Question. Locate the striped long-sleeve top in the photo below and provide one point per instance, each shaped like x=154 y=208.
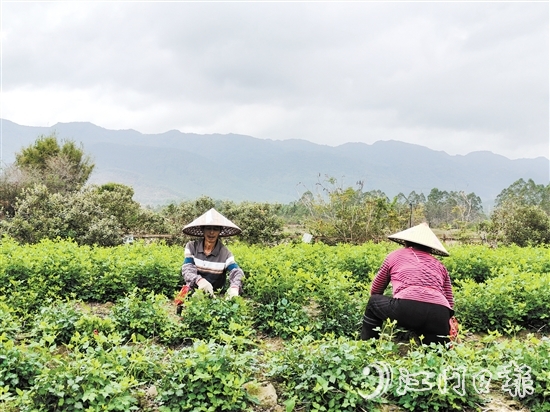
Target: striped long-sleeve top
x=414 y=275
x=213 y=267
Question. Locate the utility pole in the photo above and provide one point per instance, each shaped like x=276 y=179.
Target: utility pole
x=411 y=215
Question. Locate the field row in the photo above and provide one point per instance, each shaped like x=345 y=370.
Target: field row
x=85 y=328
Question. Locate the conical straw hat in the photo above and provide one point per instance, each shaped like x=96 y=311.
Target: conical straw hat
x=212 y=218
x=422 y=235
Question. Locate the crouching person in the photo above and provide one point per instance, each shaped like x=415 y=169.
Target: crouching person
x=208 y=264
x=422 y=299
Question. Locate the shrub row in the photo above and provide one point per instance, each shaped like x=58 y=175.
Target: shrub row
x=32 y=274
x=479 y=263
x=294 y=289
x=98 y=370
x=331 y=375
x=509 y=302
x=201 y=377
x=361 y=261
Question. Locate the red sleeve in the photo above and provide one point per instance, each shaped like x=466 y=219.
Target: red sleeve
x=382 y=279
x=448 y=289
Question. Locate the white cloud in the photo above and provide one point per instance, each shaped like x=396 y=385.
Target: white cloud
x=452 y=76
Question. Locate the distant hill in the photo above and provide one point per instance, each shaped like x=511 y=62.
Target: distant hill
x=175 y=166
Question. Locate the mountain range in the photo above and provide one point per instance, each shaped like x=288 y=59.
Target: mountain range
x=175 y=166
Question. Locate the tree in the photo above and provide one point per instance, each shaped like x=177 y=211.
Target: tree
x=519 y=224
x=293 y=212
x=466 y=208
x=61 y=168
x=12 y=182
x=94 y=215
x=525 y=193
x=412 y=206
x=38 y=215
x=115 y=200
x=259 y=222
x=349 y=215
x=455 y=209
x=436 y=207
x=522 y=214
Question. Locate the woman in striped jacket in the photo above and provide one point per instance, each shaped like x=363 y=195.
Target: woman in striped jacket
x=422 y=298
x=208 y=262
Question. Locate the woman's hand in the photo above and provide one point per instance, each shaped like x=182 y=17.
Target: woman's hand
x=232 y=292
x=205 y=285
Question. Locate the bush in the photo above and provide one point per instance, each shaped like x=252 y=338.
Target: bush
x=522 y=225
x=143 y=316
x=480 y=262
x=508 y=302
x=325 y=375
x=55 y=323
x=206 y=377
x=20 y=365
x=218 y=319
x=10 y=326
x=312 y=296
x=341 y=302
x=32 y=274
x=82 y=383
x=259 y=221
x=344 y=375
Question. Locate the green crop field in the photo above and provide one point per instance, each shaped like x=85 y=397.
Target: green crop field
x=95 y=329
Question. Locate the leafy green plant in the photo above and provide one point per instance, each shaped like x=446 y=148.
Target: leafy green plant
x=504 y=302
x=325 y=375
x=142 y=315
x=434 y=378
x=361 y=261
x=471 y=262
x=20 y=365
x=341 y=302
x=218 y=319
x=295 y=325
x=90 y=324
x=537 y=356
x=9 y=324
x=206 y=377
x=117 y=271
x=283 y=318
x=56 y=323
x=95 y=331
x=82 y=383
x=31 y=274
x=527 y=360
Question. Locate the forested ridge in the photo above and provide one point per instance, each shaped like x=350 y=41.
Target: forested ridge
x=162 y=168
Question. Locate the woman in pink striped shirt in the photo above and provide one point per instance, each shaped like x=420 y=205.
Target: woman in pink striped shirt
x=422 y=298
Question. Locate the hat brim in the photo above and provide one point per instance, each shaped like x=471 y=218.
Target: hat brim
x=422 y=235
x=212 y=218
x=198 y=231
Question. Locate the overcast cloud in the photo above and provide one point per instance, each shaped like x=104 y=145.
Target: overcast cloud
x=457 y=77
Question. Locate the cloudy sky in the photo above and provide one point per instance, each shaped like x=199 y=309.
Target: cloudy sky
x=457 y=77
